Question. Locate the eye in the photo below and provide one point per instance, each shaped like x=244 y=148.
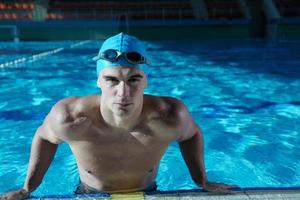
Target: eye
x=133 y=80
x=113 y=80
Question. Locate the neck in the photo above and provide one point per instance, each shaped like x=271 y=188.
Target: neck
x=126 y=122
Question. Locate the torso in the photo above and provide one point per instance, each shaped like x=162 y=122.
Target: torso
x=120 y=161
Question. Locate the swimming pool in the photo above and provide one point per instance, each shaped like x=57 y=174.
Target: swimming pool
x=244 y=94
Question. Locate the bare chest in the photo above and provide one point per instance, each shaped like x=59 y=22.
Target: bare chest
x=141 y=145
x=104 y=155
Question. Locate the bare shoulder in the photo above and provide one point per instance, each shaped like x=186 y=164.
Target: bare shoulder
x=68 y=115
x=61 y=112
x=169 y=110
x=171 y=115
x=70 y=109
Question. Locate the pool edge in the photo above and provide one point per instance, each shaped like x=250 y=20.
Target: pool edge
x=282 y=193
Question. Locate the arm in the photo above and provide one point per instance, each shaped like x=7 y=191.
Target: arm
x=192 y=149
x=43 y=149
x=41 y=156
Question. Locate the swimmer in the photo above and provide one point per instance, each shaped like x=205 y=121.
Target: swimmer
x=118 y=137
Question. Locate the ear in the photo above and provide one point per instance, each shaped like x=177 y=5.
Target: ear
x=99 y=81
x=146 y=81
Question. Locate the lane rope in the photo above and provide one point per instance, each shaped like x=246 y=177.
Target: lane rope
x=39 y=56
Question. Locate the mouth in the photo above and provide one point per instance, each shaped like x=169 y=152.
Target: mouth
x=123 y=104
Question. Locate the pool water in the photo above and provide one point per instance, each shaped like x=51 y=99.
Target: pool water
x=245 y=95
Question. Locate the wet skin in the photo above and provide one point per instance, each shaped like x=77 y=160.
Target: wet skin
x=118 y=137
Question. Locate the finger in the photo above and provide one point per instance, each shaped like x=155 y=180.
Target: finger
x=224 y=185
x=224 y=191
x=219 y=191
x=230 y=186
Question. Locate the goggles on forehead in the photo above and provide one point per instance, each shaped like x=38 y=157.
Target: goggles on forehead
x=113 y=55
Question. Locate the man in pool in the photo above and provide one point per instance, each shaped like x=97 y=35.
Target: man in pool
x=118 y=137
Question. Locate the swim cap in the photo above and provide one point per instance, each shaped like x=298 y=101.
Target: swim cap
x=123 y=43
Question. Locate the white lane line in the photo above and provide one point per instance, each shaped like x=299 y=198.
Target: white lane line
x=40 y=55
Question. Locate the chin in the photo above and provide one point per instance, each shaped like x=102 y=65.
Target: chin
x=122 y=112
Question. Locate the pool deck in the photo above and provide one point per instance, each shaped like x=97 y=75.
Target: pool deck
x=244 y=194
x=241 y=195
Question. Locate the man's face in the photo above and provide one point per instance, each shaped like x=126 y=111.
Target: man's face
x=122 y=89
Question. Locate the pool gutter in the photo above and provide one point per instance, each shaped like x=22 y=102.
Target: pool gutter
x=243 y=194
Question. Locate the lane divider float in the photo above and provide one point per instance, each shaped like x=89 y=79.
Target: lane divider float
x=38 y=56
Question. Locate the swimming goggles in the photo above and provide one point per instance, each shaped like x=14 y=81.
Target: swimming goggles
x=113 y=55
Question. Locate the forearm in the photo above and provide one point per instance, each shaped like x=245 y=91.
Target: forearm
x=41 y=155
x=192 y=151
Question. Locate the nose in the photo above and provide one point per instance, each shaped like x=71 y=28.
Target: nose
x=123 y=89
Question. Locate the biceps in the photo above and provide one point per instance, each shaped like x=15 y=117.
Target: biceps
x=189 y=131
x=46 y=133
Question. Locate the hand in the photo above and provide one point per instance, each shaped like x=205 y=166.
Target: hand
x=15 y=195
x=219 y=188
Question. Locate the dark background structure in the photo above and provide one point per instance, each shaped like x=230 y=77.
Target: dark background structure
x=149 y=19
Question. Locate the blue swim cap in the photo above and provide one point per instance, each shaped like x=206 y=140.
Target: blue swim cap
x=123 y=43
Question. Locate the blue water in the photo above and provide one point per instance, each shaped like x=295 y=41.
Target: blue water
x=245 y=95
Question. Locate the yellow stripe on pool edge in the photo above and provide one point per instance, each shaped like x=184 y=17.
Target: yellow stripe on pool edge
x=129 y=196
